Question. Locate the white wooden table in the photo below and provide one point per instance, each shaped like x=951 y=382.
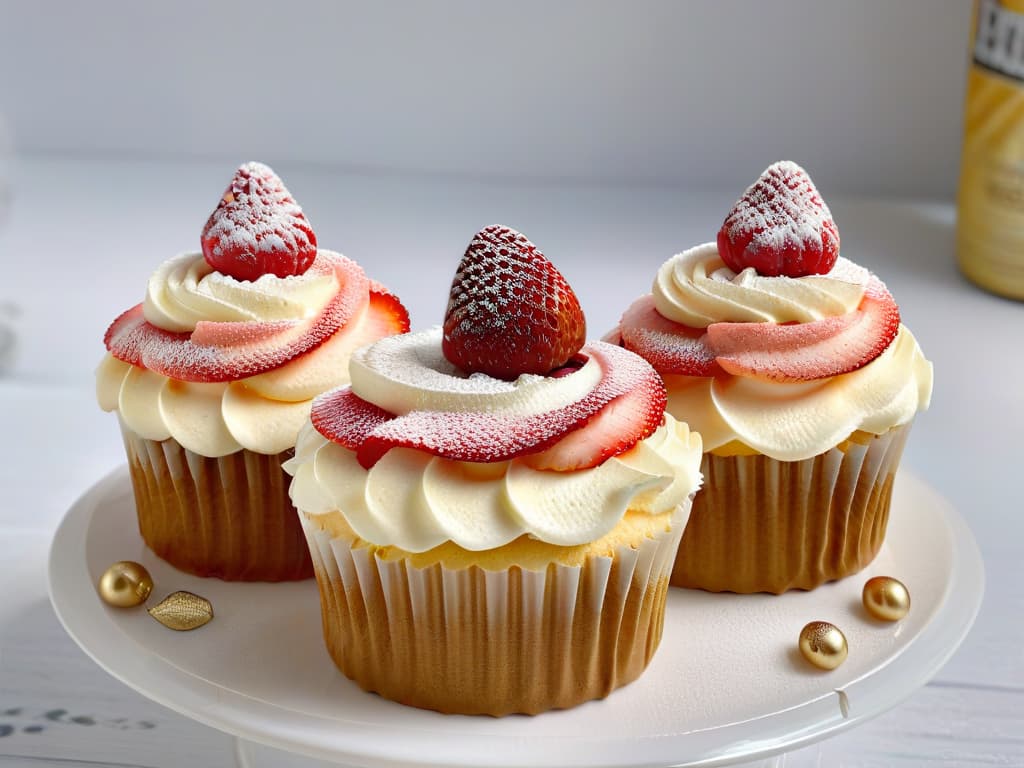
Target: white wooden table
x=83 y=237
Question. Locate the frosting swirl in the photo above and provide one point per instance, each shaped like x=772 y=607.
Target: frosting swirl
x=795 y=421
x=786 y=420
x=416 y=501
x=695 y=288
x=411 y=373
x=418 y=495
x=186 y=290
x=260 y=412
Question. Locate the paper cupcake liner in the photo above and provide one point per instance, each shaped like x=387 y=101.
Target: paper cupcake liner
x=473 y=641
x=228 y=517
x=763 y=525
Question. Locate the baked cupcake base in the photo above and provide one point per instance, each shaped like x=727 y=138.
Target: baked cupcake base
x=228 y=517
x=470 y=639
x=763 y=525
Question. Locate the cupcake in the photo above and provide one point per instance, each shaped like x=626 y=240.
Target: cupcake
x=792 y=364
x=494 y=508
x=213 y=375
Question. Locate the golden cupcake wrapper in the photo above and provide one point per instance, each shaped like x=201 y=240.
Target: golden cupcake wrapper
x=474 y=641
x=763 y=525
x=228 y=517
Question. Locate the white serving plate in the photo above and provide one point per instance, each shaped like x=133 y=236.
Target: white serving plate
x=727 y=685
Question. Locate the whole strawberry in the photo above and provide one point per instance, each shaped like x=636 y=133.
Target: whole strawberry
x=780 y=226
x=258 y=229
x=510 y=311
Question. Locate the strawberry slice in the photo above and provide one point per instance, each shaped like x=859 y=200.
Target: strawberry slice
x=669 y=346
x=306 y=376
x=510 y=311
x=130 y=335
x=809 y=351
x=727 y=339
x=780 y=226
x=496 y=436
x=218 y=351
x=616 y=428
x=258 y=229
x=345 y=418
x=388 y=306
x=213 y=334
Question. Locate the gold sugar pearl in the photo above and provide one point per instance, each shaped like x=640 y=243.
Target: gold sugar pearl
x=125 y=584
x=886 y=598
x=823 y=644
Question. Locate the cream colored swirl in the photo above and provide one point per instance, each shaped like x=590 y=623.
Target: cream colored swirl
x=795 y=421
x=786 y=421
x=261 y=413
x=695 y=288
x=416 y=501
x=410 y=373
x=186 y=290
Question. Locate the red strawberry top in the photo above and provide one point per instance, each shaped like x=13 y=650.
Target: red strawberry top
x=785 y=329
x=258 y=229
x=510 y=311
x=780 y=226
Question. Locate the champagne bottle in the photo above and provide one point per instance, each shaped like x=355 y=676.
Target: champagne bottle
x=990 y=205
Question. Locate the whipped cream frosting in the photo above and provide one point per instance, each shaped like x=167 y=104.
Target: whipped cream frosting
x=695 y=288
x=186 y=290
x=795 y=421
x=410 y=373
x=415 y=500
x=786 y=421
x=261 y=413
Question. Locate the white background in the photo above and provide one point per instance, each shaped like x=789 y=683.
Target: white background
x=866 y=95
x=613 y=135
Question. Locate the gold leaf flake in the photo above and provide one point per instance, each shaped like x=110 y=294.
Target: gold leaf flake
x=182 y=611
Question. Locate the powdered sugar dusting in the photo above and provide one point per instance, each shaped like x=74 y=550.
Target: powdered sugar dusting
x=776 y=220
x=500 y=267
x=742 y=338
x=258 y=228
x=620 y=425
x=510 y=311
x=417 y=360
x=780 y=225
x=848 y=272
x=345 y=418
x=409 y=373
x=215 y=334
x=809 y=351
x=487 y=436
x=670 y=347
x=255 y=227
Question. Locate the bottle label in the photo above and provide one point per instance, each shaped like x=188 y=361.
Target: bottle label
x=999 y=39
